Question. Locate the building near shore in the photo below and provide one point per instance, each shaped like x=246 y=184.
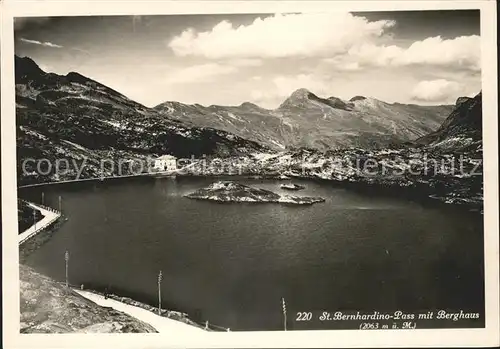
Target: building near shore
x=165 y=163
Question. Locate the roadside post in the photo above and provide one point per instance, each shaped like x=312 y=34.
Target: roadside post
x=160 y=277
x=66 y=259
x=284 y=312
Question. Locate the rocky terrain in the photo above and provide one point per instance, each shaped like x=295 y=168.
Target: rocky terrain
x=433 y=151
x=227 y=191
x=77 y=118
x=292 y=186
x=462 y=129
x=445 y=166
x=306 y=120
x=48 y=307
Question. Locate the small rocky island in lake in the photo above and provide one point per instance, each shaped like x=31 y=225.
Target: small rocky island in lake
x=227 y=191
x=292 y=186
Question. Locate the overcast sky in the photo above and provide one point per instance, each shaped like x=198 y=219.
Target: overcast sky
x=418 y=57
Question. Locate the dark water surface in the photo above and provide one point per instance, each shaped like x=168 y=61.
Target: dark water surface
x=232 y=263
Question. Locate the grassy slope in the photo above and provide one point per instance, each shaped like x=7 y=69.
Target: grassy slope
x=48 y=307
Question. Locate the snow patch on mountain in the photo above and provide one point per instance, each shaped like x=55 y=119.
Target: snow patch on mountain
x=115 y=124
x=234 y=117
x=77 y=146
x=33 y=133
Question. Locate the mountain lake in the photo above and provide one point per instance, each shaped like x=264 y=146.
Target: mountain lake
x=231 y=263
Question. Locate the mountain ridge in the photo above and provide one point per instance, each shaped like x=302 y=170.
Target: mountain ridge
x=78 y=118
x=307 y=120
x=462 y=129
x=331 y=98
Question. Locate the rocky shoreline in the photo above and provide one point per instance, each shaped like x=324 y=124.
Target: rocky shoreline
x=446 y=191
x=48 y=307
x=228 y=191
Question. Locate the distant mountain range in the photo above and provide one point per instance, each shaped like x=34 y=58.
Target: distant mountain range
x=306 y=120
x=77 y=118
x=72 y=107
x=445 y=165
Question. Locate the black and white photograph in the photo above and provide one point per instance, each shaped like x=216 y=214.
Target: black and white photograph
x=188 y=174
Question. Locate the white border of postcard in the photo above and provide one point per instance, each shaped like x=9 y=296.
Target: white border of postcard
x=488 y=336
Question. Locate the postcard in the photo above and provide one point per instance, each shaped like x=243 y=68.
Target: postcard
x=249 y=174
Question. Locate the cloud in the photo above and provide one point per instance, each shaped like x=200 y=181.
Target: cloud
x=36 y=42
x=440 y=90
x=210 y=71
x=245 y=62
x=199 y=73
x=342 y=63
x=369 y=54
x=345 y=41
x=461 y=53
x=306 y=35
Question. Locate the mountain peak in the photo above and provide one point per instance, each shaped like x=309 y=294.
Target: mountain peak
x=298 y=98
x=462 y=128
x=25 y=66
x=249 y=105
x=301 y=93
x=357 y=98
x=77 y=77
x=461 y=100
x=25 y=60
x=338 y=103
